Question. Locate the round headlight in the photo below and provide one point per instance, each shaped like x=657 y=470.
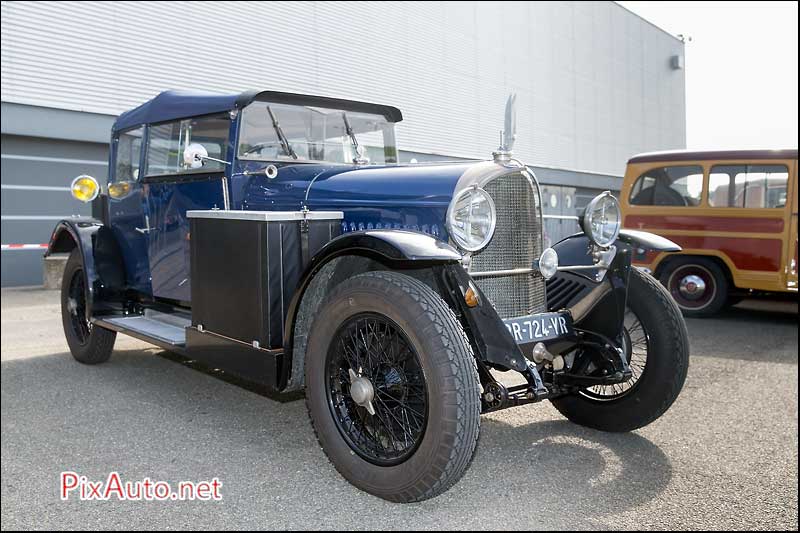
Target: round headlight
x=471 y=219
x=85 y=188
x=548 y=263
x=601 y=219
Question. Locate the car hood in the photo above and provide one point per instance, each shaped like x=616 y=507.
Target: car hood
x=414 y=196
x=389 y=186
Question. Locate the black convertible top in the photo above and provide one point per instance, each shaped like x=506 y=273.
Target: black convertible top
x=173 y=105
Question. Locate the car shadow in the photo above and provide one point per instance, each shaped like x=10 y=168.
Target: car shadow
x=147 y=416
x=751 y=331
x=782 y=311
x=547 y=461
x=561 y=467
x=542 y=460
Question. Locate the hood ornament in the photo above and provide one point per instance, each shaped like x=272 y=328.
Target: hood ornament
x=509 y=134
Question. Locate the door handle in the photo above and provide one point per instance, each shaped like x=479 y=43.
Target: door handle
x=146 y=229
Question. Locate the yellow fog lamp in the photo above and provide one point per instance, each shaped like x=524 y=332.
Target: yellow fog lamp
x=85 y=188
x=119 y=190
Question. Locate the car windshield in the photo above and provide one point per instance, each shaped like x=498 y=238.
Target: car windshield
x=280 y=132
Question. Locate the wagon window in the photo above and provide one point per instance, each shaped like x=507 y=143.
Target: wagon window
x=128 y=155
x=167 y=142
x=751 y=186
x=669 y=186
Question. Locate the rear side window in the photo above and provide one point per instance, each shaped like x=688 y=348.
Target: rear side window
x=128 y=154
x=752 y=186
x=167 y=142
x=669 y=186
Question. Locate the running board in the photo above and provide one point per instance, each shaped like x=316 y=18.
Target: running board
x=167 y=330
x=174 y=332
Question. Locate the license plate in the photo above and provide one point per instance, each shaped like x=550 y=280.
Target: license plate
x=541 y=327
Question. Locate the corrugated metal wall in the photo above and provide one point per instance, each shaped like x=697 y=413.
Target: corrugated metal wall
x=35 y=180
x=594 y=81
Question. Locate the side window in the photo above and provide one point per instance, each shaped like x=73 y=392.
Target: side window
x=128 y=155
x=168 y=141
x=211 y=132
x=669 y=186
x=163 y=149
x=752 y=186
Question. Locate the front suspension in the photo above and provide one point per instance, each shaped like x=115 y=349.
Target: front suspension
x=594 y=360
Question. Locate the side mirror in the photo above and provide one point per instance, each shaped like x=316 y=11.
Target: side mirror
x=194 y=155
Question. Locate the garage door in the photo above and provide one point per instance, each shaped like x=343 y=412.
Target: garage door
x=35 y=177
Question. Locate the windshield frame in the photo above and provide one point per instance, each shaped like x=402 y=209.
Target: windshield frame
x=388 y=128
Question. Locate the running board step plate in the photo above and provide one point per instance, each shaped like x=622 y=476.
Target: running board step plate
x=148 y=327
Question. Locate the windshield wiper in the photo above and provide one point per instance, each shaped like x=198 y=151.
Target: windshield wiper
x=358 y=159
x=281 y=137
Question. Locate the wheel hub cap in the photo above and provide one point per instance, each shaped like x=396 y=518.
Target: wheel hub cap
x=361 y=391
x=692 y=287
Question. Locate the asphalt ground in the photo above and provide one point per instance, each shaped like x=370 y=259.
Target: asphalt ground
x=723 y=457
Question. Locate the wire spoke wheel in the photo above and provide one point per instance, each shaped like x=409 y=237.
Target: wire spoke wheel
x=656 y=345
x=636 y=344
x=76 y=305
x=376 y=389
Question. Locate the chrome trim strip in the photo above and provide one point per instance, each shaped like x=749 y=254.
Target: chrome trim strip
x=581 y=267
x=226 y=201
x=517 y=271
x=267 y=351
x=511 y=272
x=265 y=216
x=562 y=217
x=280 y=248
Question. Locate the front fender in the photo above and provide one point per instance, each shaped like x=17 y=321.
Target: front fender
x=397 y=249
x=393 y=246
x=597 y=305
x=103 y=268
x=647 y=241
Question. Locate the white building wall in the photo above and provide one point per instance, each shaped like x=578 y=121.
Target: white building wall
x=593 y=80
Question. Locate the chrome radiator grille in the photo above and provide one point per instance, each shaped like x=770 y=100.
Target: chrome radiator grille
x=516 y=243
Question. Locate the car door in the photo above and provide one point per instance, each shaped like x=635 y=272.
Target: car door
x=127 y=207
x=173 y=188
x=791 y=266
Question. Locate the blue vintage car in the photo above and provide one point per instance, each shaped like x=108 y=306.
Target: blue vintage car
x=277 y=237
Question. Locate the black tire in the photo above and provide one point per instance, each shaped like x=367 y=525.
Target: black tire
x=733 y=299
x=715 y=294
x=664 y=373
x=88 y=343
x=449 y=433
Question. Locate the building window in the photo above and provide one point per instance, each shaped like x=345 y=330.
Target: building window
x=752 y=186
x=669 y=186
x=168 y=141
